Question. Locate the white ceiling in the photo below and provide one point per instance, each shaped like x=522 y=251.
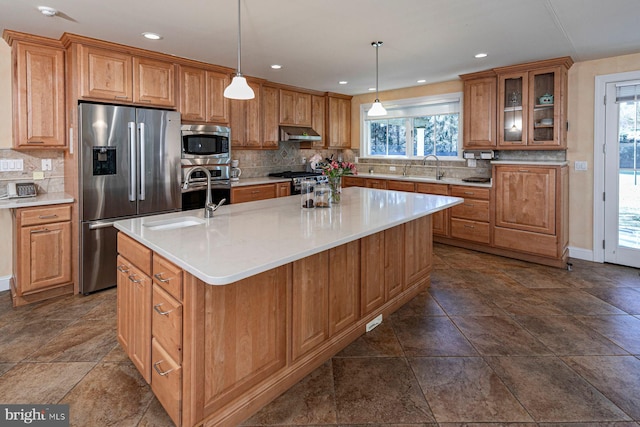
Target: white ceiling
x=320 y=42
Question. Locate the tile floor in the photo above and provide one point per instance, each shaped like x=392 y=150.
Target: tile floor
x=493 y=341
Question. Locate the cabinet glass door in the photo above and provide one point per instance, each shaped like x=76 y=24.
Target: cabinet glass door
x=513 y=110
x=544 y=116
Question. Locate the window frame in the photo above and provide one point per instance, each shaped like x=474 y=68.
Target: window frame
x=445 y=98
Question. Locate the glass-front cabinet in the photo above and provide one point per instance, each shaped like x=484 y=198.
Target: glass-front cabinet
x=532 y=105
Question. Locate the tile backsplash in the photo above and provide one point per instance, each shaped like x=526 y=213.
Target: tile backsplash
x=53 y=181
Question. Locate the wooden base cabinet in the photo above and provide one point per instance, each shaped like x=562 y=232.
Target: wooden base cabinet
x=220 y=353
x=470 y=220
x=531 y=211
x=42 y=244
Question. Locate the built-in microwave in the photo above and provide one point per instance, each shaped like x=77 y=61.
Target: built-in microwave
x=205 y=144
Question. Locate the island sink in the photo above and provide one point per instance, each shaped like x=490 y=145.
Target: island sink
x=172 y=224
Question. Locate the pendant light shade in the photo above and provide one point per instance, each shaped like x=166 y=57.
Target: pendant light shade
x=239 y=89
x=376 y=109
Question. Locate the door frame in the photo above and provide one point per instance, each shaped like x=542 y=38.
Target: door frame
x=599 y=136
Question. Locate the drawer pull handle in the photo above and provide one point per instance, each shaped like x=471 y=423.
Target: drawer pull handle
x=156 y=367
x=471 y=193
x=469 y=226
x=41 y=230
x=160 y=279
x=123 y=269
x=523 y=170
x=121 y=97
x=48 y=216
x=255 y=192
x=133 y=279
x=159 y=311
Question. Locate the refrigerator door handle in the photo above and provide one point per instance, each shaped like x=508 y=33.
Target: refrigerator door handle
x=99 y=225
x=142 y=161
x=132 y=161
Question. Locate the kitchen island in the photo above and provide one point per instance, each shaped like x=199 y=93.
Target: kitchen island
x=222 y=315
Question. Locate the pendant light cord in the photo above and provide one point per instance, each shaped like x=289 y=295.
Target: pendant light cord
x=239 y=73
x=377 y=45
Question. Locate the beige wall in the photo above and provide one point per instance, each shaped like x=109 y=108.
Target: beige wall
x=5 y=142
x=579 y=138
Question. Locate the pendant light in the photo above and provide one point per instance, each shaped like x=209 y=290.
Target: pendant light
x=514 y=100
x=239 y=89
x=376 y=109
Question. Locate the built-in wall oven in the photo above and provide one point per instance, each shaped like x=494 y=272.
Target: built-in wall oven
x=208 y=146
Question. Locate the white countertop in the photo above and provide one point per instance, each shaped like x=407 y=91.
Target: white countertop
x=257 y=181
x=432 y=180
x=39 y=200
x=245 y=239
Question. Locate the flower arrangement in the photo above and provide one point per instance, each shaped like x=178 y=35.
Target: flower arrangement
x=336 y=169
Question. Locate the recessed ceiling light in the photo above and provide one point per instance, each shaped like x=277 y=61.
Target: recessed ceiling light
x=152 y=36
x=372 y=88
x=276 y=66
x=422 y=81
x=481 y=55
x=47 y=11
x=343 y=82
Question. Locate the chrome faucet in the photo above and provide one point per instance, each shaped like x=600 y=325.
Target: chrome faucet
x=406 y=166
x=438 y=174
x=209 y=206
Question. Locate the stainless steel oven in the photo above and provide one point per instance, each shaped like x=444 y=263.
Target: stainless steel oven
x=205 y=144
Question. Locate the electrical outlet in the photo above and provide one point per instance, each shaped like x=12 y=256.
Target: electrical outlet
x=46 y=164
x=580 y=165
x=37 y=176
x=392 y=168
x=471 y=163
x=4 y=165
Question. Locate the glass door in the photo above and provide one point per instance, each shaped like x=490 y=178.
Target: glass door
x=622 y=174
x=545 y=112
x=513 y=109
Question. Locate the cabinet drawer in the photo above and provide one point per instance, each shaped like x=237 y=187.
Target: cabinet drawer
x=137 y=254
x=166 y=381
x=440 y=189
x=47 y=215
x=376 y=183
x=470 y=230
x=168 y=276
x=352 y=181
x=470 y=192
x=526 y=241
x=477 y=210
x=253 y=193
x=166 y=322
x=401 y=186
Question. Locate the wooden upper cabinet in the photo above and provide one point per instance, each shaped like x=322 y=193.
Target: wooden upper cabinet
x=153 y=82
x=295 y=108
x=480 y=97
x=270 y=116
x=318 y=106
x=532 y=105
x=245 y=120
x=38 y=96
x=116 y=76
x=201 y=95
x=339 y=122
x=105 y=74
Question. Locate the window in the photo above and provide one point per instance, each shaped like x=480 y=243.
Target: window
x=414 y=128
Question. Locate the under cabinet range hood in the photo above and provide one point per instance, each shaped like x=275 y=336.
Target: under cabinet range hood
x=298 y=133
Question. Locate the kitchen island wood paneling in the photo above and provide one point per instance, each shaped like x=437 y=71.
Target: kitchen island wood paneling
x=263 y=306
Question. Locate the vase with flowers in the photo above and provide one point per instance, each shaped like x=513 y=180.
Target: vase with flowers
x=334 y=171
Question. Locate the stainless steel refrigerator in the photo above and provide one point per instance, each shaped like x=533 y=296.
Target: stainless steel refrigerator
x=129 y=166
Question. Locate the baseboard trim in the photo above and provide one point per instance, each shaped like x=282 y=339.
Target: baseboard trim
x=580 y=253
x=4 y=283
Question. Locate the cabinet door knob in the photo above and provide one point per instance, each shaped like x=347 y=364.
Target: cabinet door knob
x=159 y=311
x=156 y=366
